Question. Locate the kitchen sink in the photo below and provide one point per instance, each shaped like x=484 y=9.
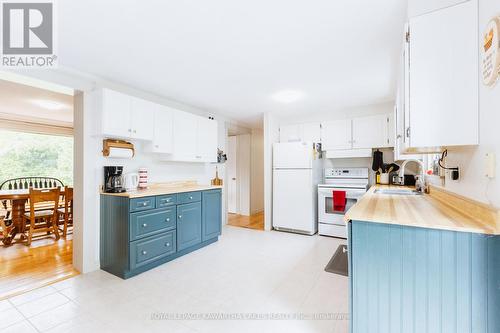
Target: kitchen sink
x=397 y=191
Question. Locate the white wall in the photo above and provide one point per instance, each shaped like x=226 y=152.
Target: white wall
x=473 y=182
x=271 y=135
x=257 y=172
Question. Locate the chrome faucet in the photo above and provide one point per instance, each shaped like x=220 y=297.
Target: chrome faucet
x=420 y=181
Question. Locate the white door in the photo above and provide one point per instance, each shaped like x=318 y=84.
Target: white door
x=336 y=135
x=185 y=125
x=296 y=155
x=293 y=200
x=163 y=131
x=231 y=169
x=116 y=110
x=369 y=132
x=143 y=115
x=206 y=145
x=444 y=108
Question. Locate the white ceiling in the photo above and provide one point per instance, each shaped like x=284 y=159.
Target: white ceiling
x=28 y=103
x=230 y=57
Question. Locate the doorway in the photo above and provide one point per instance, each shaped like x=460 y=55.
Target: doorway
x=37 y=149
x=245 y=180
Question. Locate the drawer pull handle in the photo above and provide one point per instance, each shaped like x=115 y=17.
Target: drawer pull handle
x=167 y=244
x=168 y=219
x=180 y=216
x=144 y=203
x=144 y=253
x=144 y=225
x=190 y=197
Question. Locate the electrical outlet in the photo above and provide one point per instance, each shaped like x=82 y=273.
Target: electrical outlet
x=490 y=165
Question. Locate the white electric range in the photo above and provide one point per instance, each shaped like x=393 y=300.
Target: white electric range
x=355 y=182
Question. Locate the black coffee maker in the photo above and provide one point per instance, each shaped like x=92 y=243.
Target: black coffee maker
x=113 y=179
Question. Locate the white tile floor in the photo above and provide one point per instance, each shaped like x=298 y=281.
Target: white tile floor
x=246 y=272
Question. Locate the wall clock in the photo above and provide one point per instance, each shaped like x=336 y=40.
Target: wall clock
x=491 y=52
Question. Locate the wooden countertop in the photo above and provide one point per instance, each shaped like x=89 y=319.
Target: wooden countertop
x=438 y=210
x=169 y=188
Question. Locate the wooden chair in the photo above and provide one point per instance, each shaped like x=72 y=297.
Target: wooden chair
x=67 y=211
x=42 y=220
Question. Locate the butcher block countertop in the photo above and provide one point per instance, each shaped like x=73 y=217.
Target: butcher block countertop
x=166 y=188
x=439 y=209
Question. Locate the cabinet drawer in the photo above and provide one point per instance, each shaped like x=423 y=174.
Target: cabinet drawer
x=166 y=200
x=188 y=197
x=139 y=204
x=147 y=250
x=143 y=224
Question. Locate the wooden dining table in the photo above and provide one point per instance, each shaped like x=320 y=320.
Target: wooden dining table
x=18 y=199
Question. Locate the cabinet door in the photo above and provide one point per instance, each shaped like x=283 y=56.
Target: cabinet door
x=143 y=113
x=290 y=133
x=444 y=109
x=188 y=225
x=185 y=127
x=163 y=131
x=369 y=132
x=206 y=140
x=116 y=113
x=311 y=132
x=337 y=135
x=211 y=214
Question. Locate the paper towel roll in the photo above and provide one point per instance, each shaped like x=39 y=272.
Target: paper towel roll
x=120 y=153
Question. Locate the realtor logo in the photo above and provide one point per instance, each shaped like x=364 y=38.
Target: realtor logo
x=28 y=34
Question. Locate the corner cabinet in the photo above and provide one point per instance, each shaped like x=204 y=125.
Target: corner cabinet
x=141 y=233
x=443 y=77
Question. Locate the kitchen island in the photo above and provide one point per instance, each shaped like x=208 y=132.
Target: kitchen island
x=146 y=228
x=423 y=263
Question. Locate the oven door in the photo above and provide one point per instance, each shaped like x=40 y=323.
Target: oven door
x=326 y=214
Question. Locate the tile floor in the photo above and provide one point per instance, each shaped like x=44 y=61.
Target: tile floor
x=246 y=272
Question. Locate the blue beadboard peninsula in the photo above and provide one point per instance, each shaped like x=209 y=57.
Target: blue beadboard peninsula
x=143 y=229
x=419 y=263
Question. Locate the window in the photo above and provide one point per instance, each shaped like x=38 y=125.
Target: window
x=28 y=154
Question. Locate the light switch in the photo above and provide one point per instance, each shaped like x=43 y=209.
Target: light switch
x=490 y=165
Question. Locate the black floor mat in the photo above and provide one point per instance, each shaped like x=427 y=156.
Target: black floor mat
x=339 y=263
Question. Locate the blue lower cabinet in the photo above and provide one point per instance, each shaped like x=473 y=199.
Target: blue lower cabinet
x=188 y=225
x=407 y=279
x=141 y=233
x=212 y=214
x=150 y=249
x=150 y=222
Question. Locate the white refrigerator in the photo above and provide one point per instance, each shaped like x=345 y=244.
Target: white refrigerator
x=296 y=174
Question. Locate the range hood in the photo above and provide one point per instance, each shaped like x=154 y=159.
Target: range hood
x=348 y=153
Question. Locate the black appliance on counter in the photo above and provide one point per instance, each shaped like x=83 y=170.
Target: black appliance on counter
x=113 y=179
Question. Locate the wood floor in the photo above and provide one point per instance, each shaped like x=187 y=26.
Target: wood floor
x=255 y=221
x=24 y=268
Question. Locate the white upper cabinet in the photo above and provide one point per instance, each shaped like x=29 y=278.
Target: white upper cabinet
x=370 y=132
x=420 y=7
x=336 y=134
x=290 y=133
x=359 y=133
x=126 y=117
x=185 y=139
x=143 y=115
x=163 y=131
x=206 y=145
x=116 y=114
x=443 y=73
x=308 y=132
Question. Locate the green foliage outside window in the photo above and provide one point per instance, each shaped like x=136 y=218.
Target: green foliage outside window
x=39 y=155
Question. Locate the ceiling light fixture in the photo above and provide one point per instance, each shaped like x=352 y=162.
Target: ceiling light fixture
x=288 y=96
x=46 y=104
